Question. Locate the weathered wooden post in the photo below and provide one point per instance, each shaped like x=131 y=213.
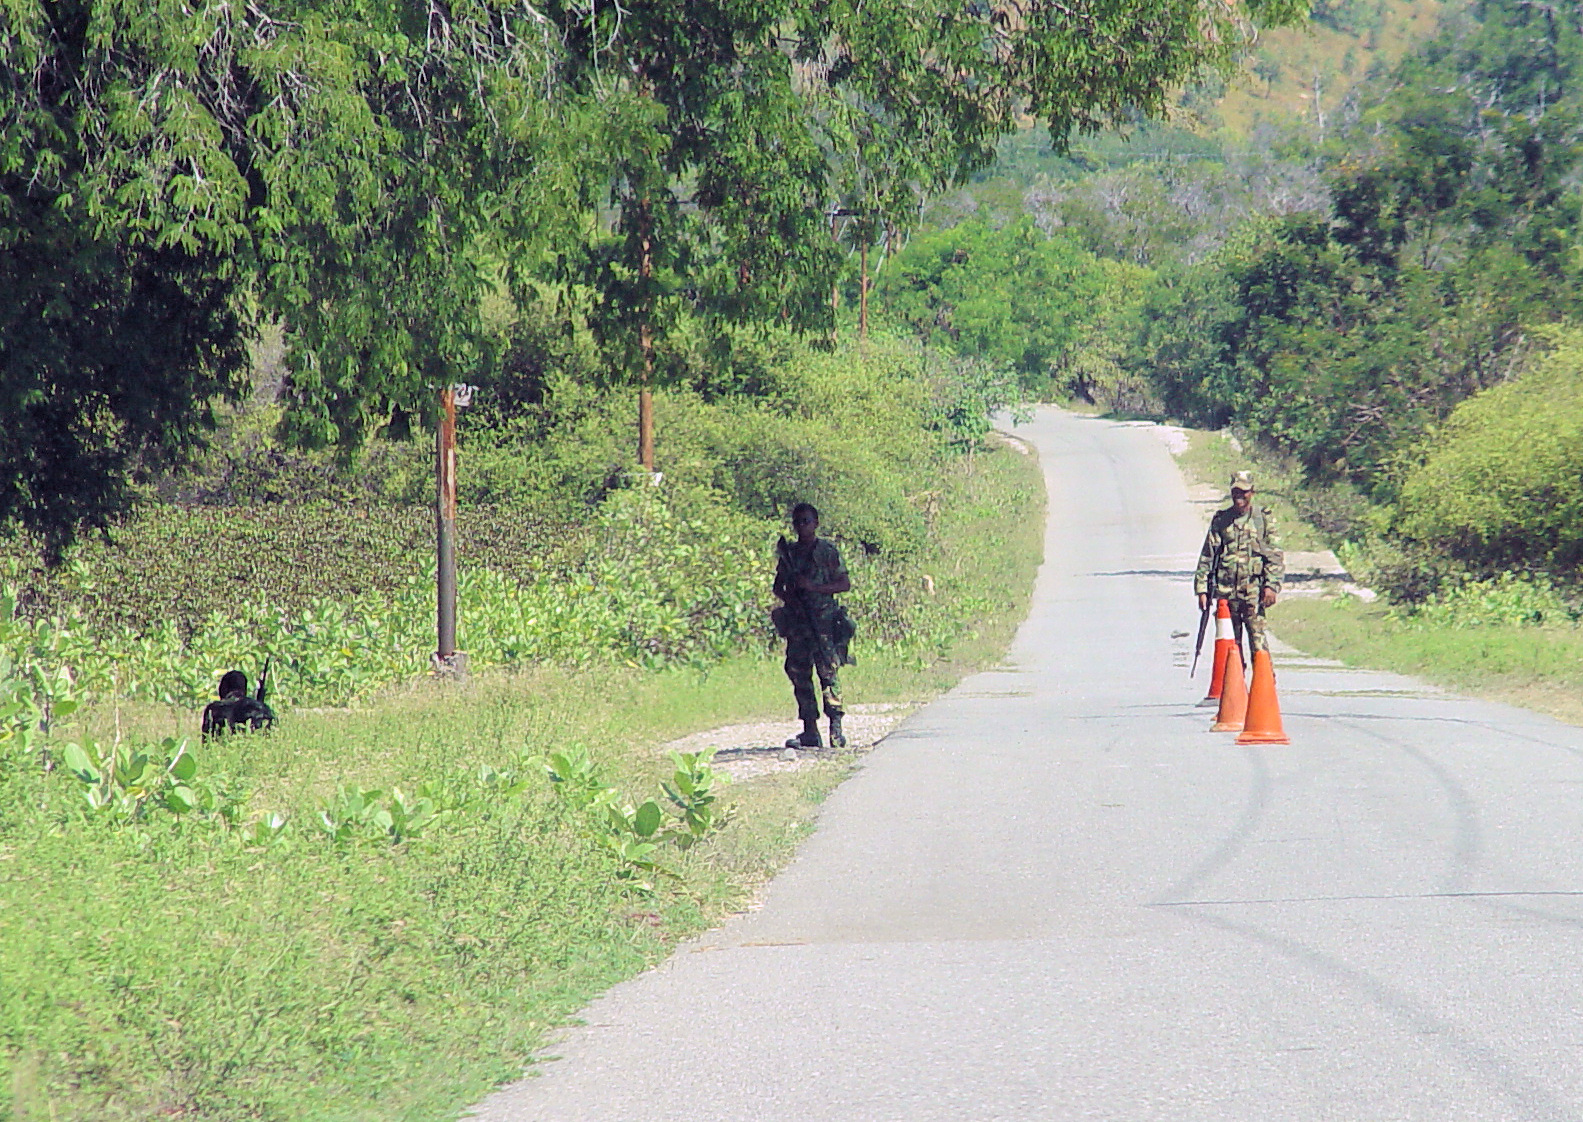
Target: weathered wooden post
x=448 y=661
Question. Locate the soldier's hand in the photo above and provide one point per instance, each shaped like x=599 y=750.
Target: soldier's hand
x=1269 y=597
x=1203 y=601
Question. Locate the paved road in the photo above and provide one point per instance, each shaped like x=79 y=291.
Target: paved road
x=1053 y=894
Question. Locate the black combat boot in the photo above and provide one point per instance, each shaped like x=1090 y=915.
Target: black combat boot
x=837 y=737
x=808 y=738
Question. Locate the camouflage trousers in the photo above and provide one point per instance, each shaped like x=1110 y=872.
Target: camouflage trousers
x=805 y=655
x=1248 y=616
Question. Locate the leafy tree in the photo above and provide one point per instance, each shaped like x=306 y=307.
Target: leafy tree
x=1013 y=295
x=1498 y=485
x=171 y=173
x=1339 y=339
x=375 y=172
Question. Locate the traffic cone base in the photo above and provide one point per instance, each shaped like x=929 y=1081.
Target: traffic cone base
x=1263 y=720
x=1233 y=694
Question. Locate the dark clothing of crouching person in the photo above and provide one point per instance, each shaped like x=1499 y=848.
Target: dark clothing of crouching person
x=235 y=711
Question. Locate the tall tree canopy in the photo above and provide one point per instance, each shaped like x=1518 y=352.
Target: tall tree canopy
x=369 y=170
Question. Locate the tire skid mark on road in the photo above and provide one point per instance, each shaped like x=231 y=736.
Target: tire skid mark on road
x=1469 y=844
x=1236 y=840
x=1467 y=834
x=1498 y=1069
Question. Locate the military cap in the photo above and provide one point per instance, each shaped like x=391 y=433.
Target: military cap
x=1242 y=481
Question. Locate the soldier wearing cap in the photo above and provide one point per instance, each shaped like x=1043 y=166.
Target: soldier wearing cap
x=1241 y=562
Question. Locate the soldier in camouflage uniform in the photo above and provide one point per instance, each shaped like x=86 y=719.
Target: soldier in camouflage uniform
x=808 y=577
x=1241 y=562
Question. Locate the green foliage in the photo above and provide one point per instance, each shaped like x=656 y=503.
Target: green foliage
x=358 y=813
x=1506 y=601
x=36 y=685
x=341 y=596
x=636 y=836
x=167 y=175
x=393 y=182
x=184 y=565
x=1009 y=295
x=1498 y=482
x=125 y=783
x=691 y=792
x=1341 y=339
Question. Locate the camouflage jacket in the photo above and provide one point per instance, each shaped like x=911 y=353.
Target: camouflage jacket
x=1243 y=552
x=821 y=565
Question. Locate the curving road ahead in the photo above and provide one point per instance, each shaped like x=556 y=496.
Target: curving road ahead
x=1053 y=894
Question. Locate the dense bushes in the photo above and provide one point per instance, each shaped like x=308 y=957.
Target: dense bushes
x=341 y=595
x=1501 y=483
x=1014 y=296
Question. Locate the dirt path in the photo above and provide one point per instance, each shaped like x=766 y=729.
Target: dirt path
x=746 y=751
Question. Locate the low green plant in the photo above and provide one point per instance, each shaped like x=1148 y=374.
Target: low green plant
x=37 y=689
x=1509 y=599
x=691 y=791
x=127 y=782
x=636 y=835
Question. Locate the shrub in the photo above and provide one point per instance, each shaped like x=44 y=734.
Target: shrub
x=1499 y=484
x=1509 y=599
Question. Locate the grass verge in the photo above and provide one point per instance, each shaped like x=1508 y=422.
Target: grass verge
x=1210 y=459
x=1539 y=668
x=155 y=968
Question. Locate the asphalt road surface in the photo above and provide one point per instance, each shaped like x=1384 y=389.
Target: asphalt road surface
x=1054 y=894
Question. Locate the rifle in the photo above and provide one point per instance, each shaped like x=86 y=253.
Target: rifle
x=783 y=547
x=263 y=677
x=1203 y=625
x=1203 y=619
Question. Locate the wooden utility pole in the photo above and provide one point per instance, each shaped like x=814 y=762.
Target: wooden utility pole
x=835 y=287
x=446 y=659
x=646 y=344
x=862 y=297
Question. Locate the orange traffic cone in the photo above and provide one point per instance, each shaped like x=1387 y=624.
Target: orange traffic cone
x=1263 y=724
x=1223 y=639
x=1233 y=693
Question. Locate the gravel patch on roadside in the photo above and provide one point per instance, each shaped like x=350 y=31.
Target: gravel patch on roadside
x=747 y=751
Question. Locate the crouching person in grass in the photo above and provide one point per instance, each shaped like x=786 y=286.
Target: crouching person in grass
x=235 y=711
x=808 y=577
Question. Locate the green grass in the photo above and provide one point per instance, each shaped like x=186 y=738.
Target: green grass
x=1537 y=667
x=164 y=970
x=1210 y=459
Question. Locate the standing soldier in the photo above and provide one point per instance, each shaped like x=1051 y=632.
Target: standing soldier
x=1241 y=562
x=807 y=579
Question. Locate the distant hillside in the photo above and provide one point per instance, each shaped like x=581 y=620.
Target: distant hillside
x=1345 y=41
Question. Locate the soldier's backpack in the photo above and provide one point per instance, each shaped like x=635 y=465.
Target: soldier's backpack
x=842 y=632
